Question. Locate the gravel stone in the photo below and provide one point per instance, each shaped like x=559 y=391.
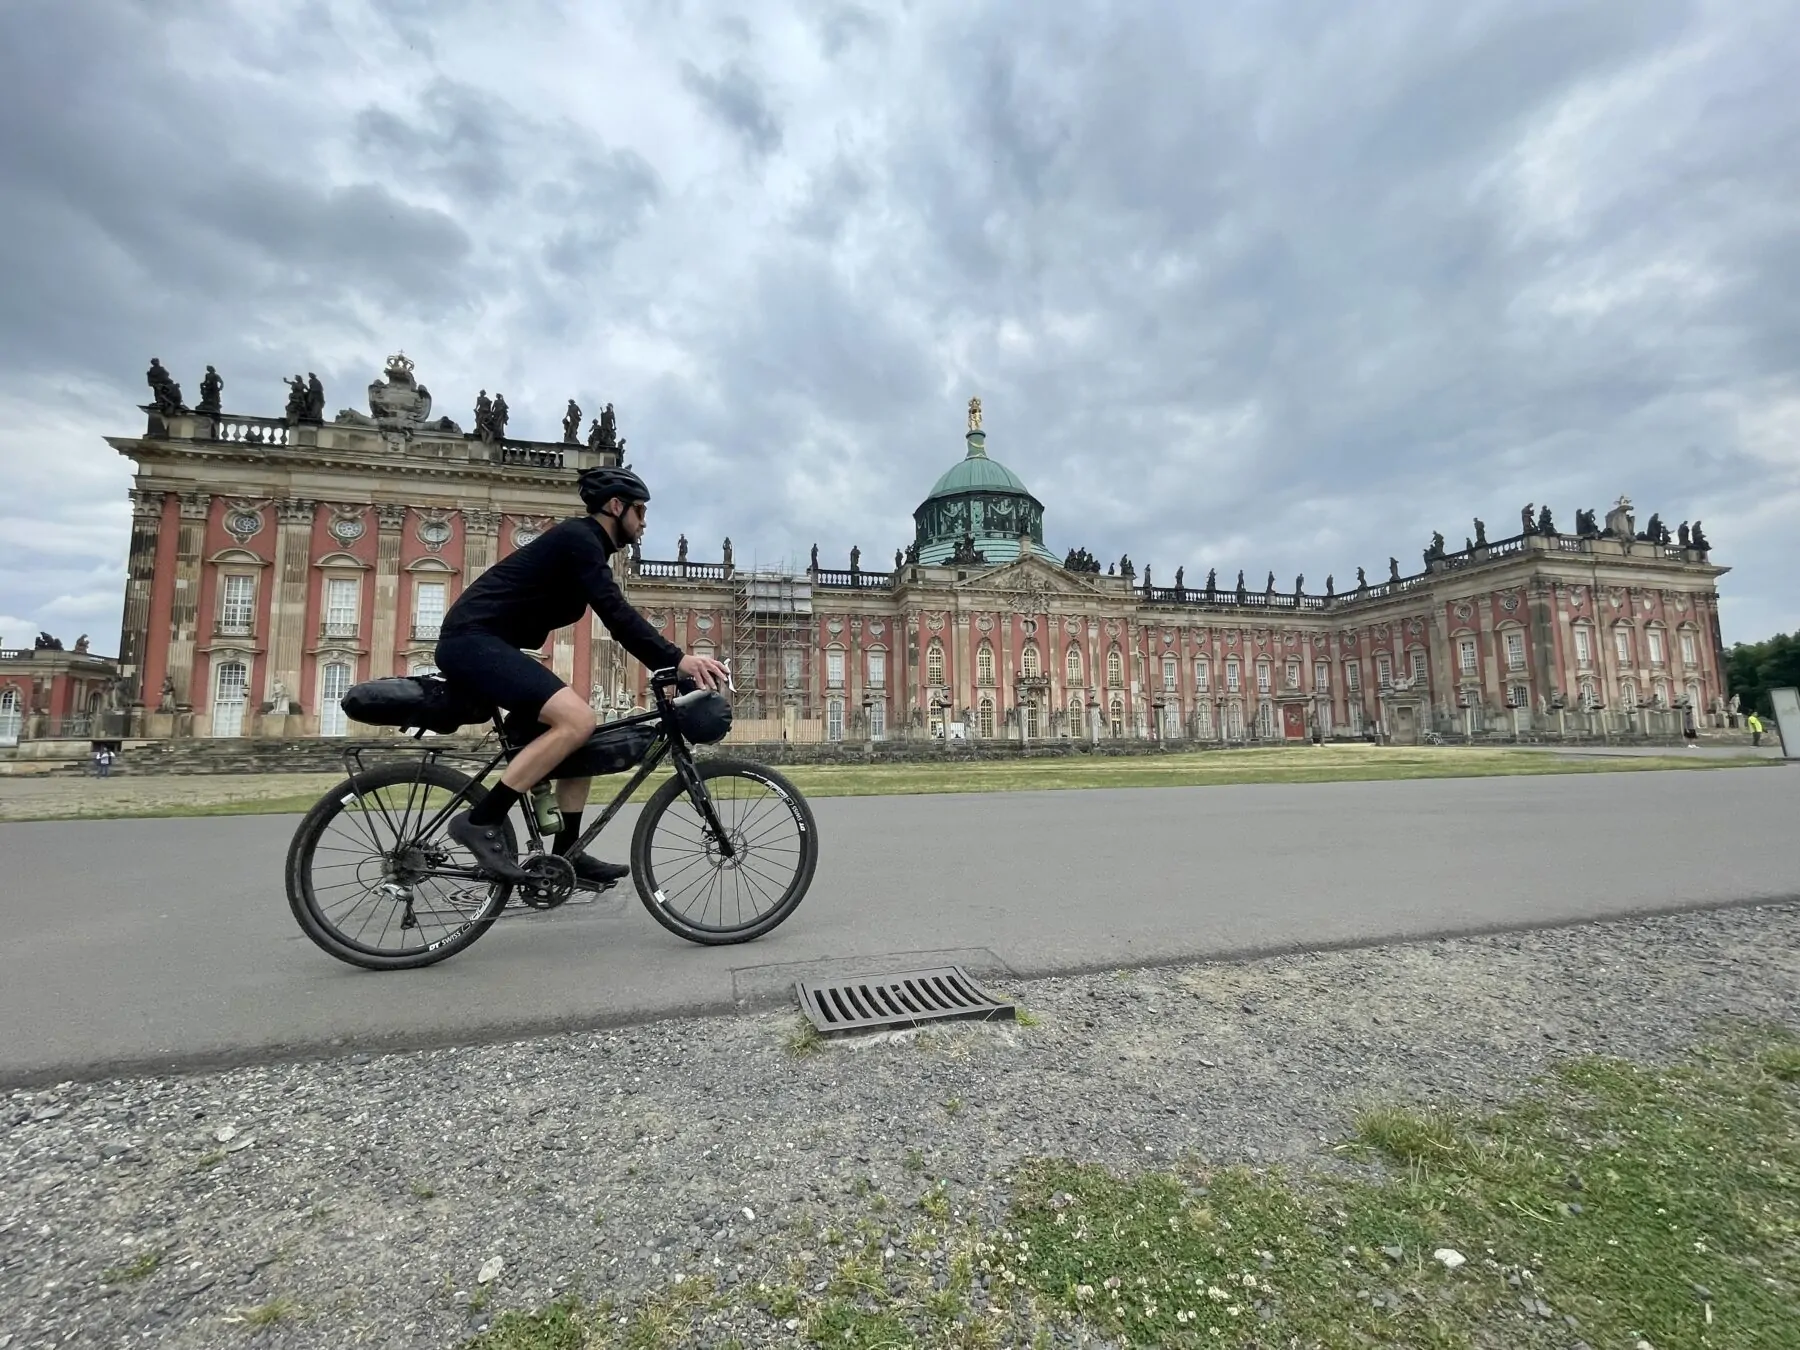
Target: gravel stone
x=377 y=1193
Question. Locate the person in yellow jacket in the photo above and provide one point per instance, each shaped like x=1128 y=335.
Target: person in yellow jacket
x=1755 y=724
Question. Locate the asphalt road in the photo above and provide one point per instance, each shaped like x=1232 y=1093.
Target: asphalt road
x=145 y=945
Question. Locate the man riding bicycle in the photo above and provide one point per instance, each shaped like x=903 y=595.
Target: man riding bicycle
x=517 y=604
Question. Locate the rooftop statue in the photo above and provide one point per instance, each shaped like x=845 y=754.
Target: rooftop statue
x=398 y=399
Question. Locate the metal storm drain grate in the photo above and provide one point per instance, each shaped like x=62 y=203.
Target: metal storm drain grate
x=946 y=994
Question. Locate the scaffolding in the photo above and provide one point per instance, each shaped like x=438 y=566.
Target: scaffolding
x=772 y=643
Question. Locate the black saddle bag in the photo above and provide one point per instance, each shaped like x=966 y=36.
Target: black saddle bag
x=414 y=701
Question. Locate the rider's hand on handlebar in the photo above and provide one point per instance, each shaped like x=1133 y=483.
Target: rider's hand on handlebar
x=705 y=671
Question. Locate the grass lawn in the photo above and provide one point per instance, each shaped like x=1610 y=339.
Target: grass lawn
x=262 y=794
x=1614 y=1205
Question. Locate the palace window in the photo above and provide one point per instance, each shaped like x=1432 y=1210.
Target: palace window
x=878 y=667
x=934 y=665
x=1384 y=670
x=1655 y=640
x=1322 y=676
x=236 y=604
x=1072 y=667
x=878 y=720
x=1515 y=650
x=985 y=717
x=1622 y=644
x=1465 y=650
x=1028 y=660
x=1203 y=721
x=1202 y=674
x=1031 y=722
x=1231 y=675
x=428 y=610
x=12 y=716
x=334 y=683
x=834 y=668
x=1077 y=718
x=984 y=664
x=1171 y=674
x=1628 y=694
x=1293 y=674
x=1262 y=677
x=340 y=608
x=1688 y=649
x=1421 y=666
x=230 y=694
x=1521 y=696
x=1584 y=646
x=1662 y=694
x=1115 y=668
x=1265 y=720
x=1234 y=721
x=834 y=719
x=1171 y=727
x=1118 y=718
x=1590 y=696
x=1353 y=676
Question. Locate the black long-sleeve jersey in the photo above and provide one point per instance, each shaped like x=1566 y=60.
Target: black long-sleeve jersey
x=549 y=584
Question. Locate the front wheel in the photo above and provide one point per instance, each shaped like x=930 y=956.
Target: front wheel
x=690 y=883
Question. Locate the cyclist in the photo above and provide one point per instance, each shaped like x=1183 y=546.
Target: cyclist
x=517 y=603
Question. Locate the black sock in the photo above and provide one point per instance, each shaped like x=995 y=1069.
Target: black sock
x=495 y=805
x=570 y=832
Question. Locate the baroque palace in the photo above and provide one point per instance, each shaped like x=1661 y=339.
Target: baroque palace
x=276 y=561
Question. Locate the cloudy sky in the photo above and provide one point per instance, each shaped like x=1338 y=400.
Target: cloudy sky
x=1259 y=285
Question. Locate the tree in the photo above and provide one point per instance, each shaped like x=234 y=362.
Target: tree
x=1752 y=669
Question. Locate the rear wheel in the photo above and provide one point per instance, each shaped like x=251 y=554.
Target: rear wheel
x=366 y=887
x=690 y=884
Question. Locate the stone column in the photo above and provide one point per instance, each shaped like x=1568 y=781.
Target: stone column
x=392 y=521
x=134 y=632
x=184 y=614
x=287 y=606
x=481 y=544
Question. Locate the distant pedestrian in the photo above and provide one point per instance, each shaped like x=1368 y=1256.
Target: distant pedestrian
x=103 y=759
x=1755 y=724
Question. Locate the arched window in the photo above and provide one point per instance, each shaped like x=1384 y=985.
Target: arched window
x=1031 y=722
x=834 y=719
x=1590 y=696
x=12 y=716
x=934 y=664
x=984 y=664
x=985 y=716
x=230 y=693
x=1073 y=666
x=1202 y=674
x=1231 y=675
x=834 y=668
x=1171 y=673
x=1265 y=720
x=1262 y=677
x=1028 y=660
x=1077 y=718
x=1172 y=720
x=1234 y=720
x=1118 y=716
x=334 y=683
x=1115 y=669
x=1628 y=692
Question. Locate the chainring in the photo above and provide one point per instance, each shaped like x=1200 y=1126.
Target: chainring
x=552 y=881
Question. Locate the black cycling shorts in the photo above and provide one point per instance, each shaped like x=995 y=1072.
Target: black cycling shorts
x=493 y=669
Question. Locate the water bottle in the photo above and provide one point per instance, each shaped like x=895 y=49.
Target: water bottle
x=544 y=807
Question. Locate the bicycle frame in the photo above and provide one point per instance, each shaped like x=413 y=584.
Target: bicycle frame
x=670 y=744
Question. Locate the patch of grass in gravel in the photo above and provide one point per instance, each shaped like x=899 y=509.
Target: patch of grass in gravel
x=141 y=1267
x=1621 y=1203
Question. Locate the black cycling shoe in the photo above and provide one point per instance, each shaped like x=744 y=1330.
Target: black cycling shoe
x=488 y=844
x=593 y=875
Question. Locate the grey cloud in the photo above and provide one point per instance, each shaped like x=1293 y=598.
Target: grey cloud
x=735 y=98
x=458 y=141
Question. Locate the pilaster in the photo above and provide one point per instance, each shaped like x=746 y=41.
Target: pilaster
x=184 y=612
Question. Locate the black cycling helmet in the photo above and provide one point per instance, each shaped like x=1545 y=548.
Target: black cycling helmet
x=601 y=485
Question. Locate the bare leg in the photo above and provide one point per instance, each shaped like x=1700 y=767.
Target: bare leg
x=571 y=722
x=572 y=793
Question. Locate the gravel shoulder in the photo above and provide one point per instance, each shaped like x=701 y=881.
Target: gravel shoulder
x=361 y=1198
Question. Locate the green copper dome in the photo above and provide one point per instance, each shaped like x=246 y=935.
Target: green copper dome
x=976 y=473
x=978 y=511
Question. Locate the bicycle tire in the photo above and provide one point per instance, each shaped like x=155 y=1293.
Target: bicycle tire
x=302 y=851
x=672 y=790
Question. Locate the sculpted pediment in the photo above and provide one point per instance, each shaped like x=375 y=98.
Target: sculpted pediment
x=1033 y=579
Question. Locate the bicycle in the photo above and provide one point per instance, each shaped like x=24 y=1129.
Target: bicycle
x=389 y=861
